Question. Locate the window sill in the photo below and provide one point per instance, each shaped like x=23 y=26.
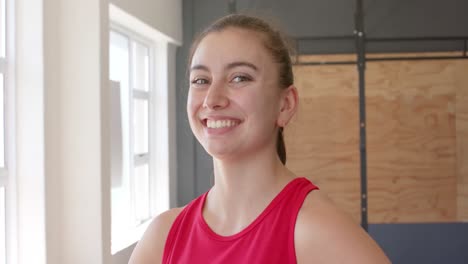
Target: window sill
x=124 y=238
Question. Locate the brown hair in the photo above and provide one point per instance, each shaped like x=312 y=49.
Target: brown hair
x=274 y=42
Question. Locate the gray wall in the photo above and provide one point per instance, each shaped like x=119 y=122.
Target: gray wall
x=429 y=243
x=195 y=166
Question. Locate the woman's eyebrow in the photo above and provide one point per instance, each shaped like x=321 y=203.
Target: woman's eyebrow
x=199 y=67
x=228 y=67
x=241 y=63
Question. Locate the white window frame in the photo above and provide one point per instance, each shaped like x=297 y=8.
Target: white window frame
x=158 y=158
x=138 y=159
x=8 y=172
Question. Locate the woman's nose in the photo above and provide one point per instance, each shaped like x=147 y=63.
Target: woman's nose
x=216 y=97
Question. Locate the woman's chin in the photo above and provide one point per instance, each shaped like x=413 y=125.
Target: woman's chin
x=221 y=153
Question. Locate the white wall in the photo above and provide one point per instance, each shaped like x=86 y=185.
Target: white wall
x=62 y=178
x=163 y=15
x=75 y=78
x=29 y=159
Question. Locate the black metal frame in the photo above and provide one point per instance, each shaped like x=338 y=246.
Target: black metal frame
x=361 y=65
x=463 y=55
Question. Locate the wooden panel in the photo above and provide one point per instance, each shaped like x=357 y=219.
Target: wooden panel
x=322 y=142
x=411 y=141
x=326 y=58
x=461 y=80
x=352 y=57
x=417 y=137
x=462 y=202
x=416 y=54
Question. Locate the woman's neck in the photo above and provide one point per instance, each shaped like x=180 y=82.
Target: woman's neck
x=251 y=174
x=242 y=190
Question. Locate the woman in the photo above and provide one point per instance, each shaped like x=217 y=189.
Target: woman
x=241 y=96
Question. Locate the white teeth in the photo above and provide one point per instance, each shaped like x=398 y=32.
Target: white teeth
x=220 y=123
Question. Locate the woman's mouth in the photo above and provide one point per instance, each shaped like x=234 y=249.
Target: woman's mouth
x=216 y=124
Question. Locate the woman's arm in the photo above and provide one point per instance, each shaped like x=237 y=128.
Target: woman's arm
x=324 y=234
x=150 y=248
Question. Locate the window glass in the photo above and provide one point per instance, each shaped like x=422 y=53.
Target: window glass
x=120 y=207
x=119 y=71
x=141 y=70
x=142 y=193
x=119 y=58
x=140 y=126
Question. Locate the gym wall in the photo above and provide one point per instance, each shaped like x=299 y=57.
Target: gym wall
x=417 y=129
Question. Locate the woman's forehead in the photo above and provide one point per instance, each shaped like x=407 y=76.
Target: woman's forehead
x=229 y=45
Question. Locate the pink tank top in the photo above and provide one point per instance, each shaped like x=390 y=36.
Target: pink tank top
x=268 y=239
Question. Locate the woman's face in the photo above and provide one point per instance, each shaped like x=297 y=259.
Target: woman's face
x=234 y=96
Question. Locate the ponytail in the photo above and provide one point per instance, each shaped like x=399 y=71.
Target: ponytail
x=281 y=147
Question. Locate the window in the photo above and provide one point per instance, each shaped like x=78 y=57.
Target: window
x=138 y=160
x=129 y=67
x=141 y=130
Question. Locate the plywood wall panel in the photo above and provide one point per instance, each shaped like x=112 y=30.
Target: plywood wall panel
x=322 y=141
x=461 y=81
x=411 y=141
x=417 y=113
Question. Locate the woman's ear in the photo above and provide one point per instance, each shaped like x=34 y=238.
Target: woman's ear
x=288 y=105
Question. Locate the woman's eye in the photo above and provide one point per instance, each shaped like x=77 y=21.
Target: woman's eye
x=199 y=81
x=240 y=78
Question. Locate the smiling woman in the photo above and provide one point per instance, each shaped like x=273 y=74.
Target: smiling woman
x=237 y=87
x=258 y=211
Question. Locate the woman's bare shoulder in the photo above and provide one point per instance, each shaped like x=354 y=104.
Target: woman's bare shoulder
x=325 y=234
x=150 y=248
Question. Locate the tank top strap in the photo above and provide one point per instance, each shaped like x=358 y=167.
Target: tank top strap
x=300 y=191
x=182 y=223
x=290 y=208
x=296 y=199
